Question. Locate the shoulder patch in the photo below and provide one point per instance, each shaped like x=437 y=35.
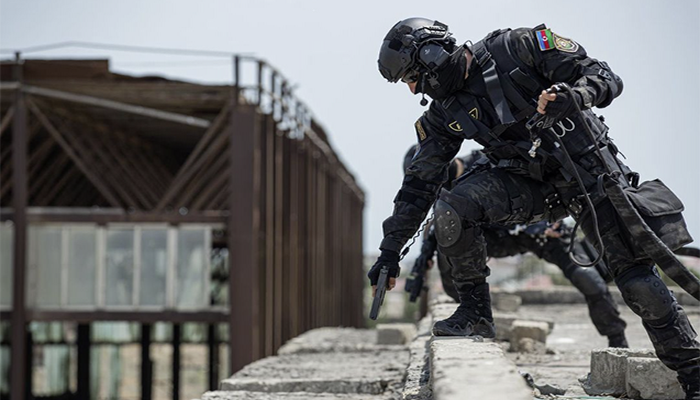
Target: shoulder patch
x=455 y=126
x=421 y=132
x=544 y=39
x=474 y=113
x=564 y=44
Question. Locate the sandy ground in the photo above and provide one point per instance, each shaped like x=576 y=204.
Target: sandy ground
x=572 y=339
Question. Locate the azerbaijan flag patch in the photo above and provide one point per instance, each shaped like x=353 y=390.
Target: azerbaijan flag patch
x=545 y=39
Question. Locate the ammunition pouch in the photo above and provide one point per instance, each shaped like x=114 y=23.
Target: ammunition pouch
x=661 y=210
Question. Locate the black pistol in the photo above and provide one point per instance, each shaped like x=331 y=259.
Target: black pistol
x=382 y=284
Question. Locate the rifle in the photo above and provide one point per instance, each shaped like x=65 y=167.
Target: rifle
x=415 y=283
x=382 y=284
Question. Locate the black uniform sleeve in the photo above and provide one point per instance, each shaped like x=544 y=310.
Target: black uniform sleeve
x=428 y=171
x=567 y=61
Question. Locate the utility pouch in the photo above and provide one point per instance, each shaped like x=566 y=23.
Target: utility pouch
x=661 y=210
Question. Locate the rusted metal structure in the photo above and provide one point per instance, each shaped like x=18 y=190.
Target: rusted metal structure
x=85 y=151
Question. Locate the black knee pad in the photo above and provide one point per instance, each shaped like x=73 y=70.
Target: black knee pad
x=672 y=331
x=645 y=293
x=452 y=235
x=587 y=280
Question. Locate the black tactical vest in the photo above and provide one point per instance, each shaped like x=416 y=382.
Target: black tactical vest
x=513 y=89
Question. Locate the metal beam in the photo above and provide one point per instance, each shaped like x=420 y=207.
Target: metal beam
x=19 y=320
x=115 y=105
x=111 y=215
x=149 y=317
x=73 y=155
x=188 y=169
x=7 y=119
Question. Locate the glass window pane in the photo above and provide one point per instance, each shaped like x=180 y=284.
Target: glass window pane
x=119 y=274
x=191 y=265
x=81 y=266
x=6 y=243
x=154 y=266
x=47 y=249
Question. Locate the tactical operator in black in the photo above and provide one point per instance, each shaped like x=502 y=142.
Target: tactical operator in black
x=487 y=92
x=547 y=241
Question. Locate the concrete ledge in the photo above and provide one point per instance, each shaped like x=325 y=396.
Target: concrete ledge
x=417 y=385
x=340 y=340
x=359 y=373
x=463 y=368
x=242 y=395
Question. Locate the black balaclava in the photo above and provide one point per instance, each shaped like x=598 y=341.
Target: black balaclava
x=450 y=77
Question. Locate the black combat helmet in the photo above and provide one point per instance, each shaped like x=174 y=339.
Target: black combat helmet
x=414 y=46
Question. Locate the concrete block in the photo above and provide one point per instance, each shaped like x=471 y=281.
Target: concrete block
x=556 y=295
x=608 y=374
x=341 y=340
x=534 y=330
x=503 y=324
x=466 y=368
x=440 y=298
x=442 y=311
x=527 y=345
x=359 y=373
x=503 y=321
x=506 y=302
x=395 y=333
x=649 y=378
x=243 y=395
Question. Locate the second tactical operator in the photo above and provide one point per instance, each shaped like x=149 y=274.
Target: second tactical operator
x=487 y=92
x=542 y=239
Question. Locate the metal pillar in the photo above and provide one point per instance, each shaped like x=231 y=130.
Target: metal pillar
x=213 y=342
x=243 y=231
x=18 y=374
x=146 y=364
x=83 y=342
x=177 y=339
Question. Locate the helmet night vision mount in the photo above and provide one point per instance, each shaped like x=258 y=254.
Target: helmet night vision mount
x=415 y=47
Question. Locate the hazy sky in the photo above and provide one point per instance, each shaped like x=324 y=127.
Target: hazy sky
x=329 y=49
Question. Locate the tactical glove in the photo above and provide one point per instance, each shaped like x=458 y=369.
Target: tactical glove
x=388 y=258
x=564 y=105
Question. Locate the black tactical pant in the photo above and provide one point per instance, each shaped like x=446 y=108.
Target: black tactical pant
x=499 y=243
x=485 y=197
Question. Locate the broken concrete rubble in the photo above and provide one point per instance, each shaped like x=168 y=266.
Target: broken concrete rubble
x=503 y=321
x=649 y=378
x=528 y=336
x=397 y=334
x=608 y=374
x=506 y=302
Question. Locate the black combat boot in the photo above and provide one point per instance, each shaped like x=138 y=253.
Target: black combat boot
x=618 y=340
x=690 y=382
x=473 y=315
